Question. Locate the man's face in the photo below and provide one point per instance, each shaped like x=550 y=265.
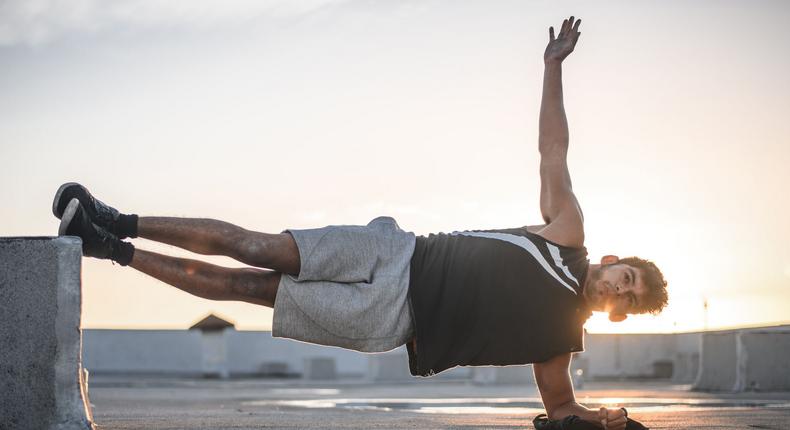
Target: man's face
x=616 y=288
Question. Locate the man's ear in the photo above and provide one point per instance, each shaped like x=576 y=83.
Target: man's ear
x=609 y=259
x=617 y=317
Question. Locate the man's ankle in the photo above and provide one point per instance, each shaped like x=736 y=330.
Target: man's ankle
x=123 y=253
x=126 y=226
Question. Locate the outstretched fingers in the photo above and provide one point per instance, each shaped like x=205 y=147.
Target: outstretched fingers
x=569 y=30
x=570 y=27
x=551 y=34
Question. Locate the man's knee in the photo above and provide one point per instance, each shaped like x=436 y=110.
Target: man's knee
x=272 y=251
x=255 y=286
x=252 y=248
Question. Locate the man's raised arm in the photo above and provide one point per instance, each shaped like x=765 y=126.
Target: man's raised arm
x=558 y=205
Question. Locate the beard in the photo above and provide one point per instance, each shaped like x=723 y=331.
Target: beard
x=591 y=291
x=593 y=276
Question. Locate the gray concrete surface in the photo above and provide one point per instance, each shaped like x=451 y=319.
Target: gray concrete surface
x=127 y=403
x=744 y=360
x=763 y=361
x=635 y=355
x=40 y=300
x=718 y=360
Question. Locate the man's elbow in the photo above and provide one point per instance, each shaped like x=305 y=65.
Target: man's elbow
x=555 y=144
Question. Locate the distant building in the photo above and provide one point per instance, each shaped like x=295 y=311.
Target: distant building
x=212 y=323
x=214 y=345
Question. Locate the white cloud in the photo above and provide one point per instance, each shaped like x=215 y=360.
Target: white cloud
x=36 y=22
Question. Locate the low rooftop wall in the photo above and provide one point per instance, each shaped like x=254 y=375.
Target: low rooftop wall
x=745 y=360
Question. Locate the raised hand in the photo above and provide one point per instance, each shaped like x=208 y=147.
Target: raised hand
x=561 y=46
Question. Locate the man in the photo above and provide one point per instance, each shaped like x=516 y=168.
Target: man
x=496 y=297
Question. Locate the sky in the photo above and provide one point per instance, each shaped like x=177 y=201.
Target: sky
x=297 y=114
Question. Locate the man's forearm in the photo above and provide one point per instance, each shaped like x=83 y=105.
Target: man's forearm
x=553 y=127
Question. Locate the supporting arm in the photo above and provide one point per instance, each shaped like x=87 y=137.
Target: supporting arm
x=556 y=389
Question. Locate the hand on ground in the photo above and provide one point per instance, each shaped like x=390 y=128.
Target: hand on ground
x=612 y=419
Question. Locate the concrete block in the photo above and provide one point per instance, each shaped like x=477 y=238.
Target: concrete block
x=718 y=359
x=686 y=367
x=745 y=360
x=763 y=364
x=663 y=369
x=42 y=384
x=319 y=368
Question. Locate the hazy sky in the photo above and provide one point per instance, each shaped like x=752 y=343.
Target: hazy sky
x=277 y=114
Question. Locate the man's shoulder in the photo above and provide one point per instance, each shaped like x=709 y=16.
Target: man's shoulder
x=562 y=233
x=567 y=231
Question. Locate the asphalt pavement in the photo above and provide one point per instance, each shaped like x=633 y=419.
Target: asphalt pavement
x=154 y=403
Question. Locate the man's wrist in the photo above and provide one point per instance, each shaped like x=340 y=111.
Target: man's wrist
x=552 y=63
x=591 y=416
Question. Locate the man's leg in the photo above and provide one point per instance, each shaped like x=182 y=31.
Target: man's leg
x=209 y=281
x=212 y=237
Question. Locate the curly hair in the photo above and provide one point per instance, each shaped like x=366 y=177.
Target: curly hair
x=656 y=298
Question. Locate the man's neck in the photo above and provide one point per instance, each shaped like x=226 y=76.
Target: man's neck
x=592 y=272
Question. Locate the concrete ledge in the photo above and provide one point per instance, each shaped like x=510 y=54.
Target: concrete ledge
x=686 y=367
x=762 y=361
x=41 y=378
x=718 y=359
x=744 y=360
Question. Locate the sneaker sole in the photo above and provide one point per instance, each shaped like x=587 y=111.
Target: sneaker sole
x=68 y=216
x=57 y=198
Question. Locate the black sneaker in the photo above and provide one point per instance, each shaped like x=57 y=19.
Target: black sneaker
x=99 y=213
x=96 y=241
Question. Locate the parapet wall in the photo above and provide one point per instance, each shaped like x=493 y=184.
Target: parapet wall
x=41 y=378
x=745 y=360
x=639 y=356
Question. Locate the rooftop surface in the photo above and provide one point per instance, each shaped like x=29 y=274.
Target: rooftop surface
x=129 y=402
